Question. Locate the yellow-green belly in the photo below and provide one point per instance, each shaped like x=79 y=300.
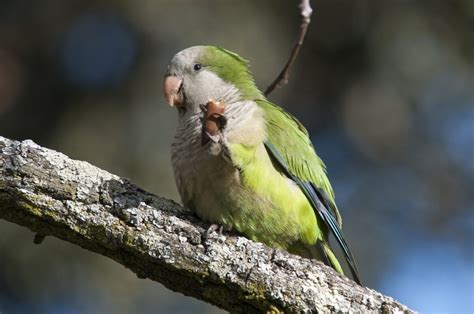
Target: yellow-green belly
x=258 y=201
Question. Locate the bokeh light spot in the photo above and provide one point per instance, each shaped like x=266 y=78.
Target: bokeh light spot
x=377 y=118
x=98 y=51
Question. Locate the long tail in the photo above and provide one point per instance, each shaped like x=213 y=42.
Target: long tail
x=331 y=257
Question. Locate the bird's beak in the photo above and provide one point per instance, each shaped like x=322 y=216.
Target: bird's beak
x=172 y=90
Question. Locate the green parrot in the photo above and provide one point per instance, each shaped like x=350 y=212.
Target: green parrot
x=244 y=163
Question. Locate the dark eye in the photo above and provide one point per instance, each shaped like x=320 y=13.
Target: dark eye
x=197 y=66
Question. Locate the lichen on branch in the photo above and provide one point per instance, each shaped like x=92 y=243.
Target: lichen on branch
x=159 y=239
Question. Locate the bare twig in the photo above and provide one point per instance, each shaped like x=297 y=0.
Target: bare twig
x=156 y=238
x=282 y=78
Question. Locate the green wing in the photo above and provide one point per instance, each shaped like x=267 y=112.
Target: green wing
x=289 y=144
x=291 y=139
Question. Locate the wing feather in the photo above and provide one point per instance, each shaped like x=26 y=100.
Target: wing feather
x=289 y=144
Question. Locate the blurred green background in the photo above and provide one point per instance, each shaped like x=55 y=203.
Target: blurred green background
x=385 y=88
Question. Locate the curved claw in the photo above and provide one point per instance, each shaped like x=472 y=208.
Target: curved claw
x=214 y=121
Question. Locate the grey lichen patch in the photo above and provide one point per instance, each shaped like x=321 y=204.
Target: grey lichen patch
x=161 y=240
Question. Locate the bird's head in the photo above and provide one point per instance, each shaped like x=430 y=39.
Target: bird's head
x=198 y=74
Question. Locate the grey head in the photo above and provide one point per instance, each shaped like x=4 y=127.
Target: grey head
x=190 y=82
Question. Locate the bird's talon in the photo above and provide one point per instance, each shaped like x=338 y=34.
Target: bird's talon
x=213 y=122
x=214 y=138
x=211 y=229
x=208 y=235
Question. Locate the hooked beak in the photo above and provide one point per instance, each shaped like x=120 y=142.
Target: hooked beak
x=172 y=90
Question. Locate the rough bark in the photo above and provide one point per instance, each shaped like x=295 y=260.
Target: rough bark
x=159 y=239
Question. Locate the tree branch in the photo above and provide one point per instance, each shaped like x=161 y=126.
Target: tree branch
x=282 y=78
x=158 y=239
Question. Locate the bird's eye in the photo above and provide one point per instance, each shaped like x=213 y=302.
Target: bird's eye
x=197 y=66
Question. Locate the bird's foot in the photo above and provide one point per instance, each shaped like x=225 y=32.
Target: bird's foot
x=208 y=234
x=212 y=228
x=213 y=122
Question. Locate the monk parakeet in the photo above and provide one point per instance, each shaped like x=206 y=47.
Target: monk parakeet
x=244 y=163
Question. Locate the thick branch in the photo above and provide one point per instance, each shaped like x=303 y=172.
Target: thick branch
x=282 y=78
x=158 y=239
